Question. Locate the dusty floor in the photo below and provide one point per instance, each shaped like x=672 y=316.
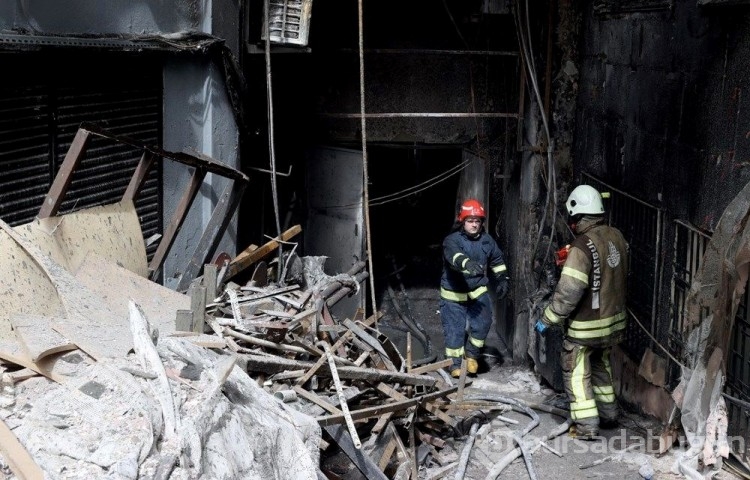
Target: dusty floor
x=602 y=458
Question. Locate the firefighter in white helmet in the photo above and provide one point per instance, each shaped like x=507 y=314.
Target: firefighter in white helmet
x=589 y=304
x=469 y=253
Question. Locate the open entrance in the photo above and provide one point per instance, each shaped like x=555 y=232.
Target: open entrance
x=414 y=193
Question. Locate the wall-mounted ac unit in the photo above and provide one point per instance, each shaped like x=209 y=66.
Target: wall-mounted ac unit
x=289 y=21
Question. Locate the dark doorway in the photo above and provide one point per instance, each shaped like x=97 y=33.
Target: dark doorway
x=412 y=193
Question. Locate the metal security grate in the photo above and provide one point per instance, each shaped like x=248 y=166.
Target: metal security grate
x=738 y=376
x=687 y=255
x=642 y=226
x=289 y=21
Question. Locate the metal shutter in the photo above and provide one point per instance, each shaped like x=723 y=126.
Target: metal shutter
x=41 y=107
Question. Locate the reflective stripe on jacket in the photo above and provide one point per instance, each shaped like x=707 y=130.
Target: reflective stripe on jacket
x=456 y=284
x=592 y=287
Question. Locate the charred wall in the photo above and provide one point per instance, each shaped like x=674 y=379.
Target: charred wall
x=661 y=113
x=661 y=116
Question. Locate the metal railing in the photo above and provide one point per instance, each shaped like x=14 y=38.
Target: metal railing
x=642 y=226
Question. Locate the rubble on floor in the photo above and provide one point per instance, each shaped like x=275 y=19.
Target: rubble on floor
x=260 y=380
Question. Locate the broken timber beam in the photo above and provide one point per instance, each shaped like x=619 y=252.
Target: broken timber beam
x=378 y=410
x=278 y=364
x=247 y=258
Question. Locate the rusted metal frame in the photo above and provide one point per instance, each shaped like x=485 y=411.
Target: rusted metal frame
x=139 y=176
x=264 y=343
x=176 y=222
x=401 y=447
x=388 y=450
x=381 y=423
x=310 y=348
x=64 y=176
x=265 y=293
x=194 y=159
x=363 y=462
x=275 y=364
x=322 y=360
x=217 y=225
x=398 y=396
x=327 y=319
x=370 y=340
x=377 y=410
x=431 y=439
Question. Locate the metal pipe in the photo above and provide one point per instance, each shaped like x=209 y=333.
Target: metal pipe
x=422 y=115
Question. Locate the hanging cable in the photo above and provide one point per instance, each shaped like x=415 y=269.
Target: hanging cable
x=271 y=149
x=365 y=179
x=551 y=181
x=429 y=183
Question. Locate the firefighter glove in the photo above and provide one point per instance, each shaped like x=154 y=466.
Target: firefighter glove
x=503 y=285
x=473 y=268
x=540 y=326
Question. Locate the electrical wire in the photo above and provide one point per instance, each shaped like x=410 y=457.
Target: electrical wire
x=271 y=148
x=551 y=181
x=472 y=96
x=382 y=200
x=365 y=179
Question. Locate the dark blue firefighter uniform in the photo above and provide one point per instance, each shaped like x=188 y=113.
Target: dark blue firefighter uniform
x=463 y=296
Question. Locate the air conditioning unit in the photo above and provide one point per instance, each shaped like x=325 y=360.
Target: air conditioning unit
x=289 y=21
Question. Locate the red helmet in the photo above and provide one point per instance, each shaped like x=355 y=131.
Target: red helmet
x=471 y=208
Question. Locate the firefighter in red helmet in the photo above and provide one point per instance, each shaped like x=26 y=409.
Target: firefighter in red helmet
x=470 y=254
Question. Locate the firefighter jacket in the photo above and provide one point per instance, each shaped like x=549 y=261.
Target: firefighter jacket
x=589 y=300
x=457 y=284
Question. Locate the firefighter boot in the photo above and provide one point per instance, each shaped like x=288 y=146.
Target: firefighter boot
x=583 y=431
x=472 y=366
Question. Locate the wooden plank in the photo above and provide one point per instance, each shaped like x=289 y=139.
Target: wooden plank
x=432 y=367
x=247 y=258
x=321 y=360
x=312 y=397
x=226 y=205
x=139 y=176
x=175 y=223
x=378 y=410
x=278 y=364
x=385 y=458
x=396 y=395
x=64 y=176
x=197 y=294
x=17 y=457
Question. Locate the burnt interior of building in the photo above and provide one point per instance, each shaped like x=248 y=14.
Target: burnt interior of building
x=445 y=79
x=534 y=83
x=517 y=101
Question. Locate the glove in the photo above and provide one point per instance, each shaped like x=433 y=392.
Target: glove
x=503 y=284
x=540 y=326
x=473 y=268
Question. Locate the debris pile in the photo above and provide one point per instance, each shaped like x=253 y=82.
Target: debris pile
x=252 y=381
x=381 y=412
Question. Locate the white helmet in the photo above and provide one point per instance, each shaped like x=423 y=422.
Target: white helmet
x=585 y=199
